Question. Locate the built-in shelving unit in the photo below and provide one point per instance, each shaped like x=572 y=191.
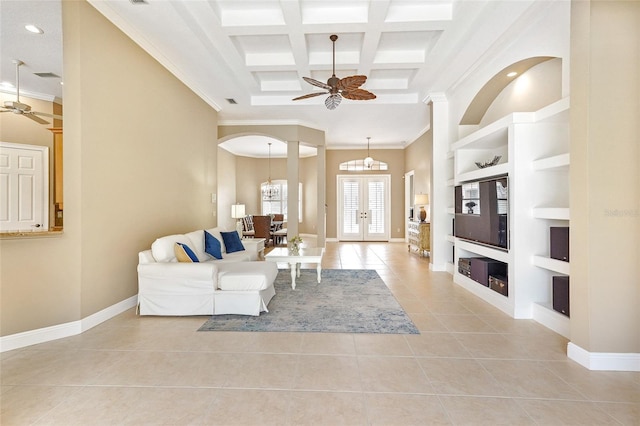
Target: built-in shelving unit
x=552 y=265
x=534 y=151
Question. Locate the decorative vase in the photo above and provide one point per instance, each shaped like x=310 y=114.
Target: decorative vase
x=294 y=248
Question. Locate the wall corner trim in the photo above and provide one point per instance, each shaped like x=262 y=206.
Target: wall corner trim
x=47 y=334
x=603 y=361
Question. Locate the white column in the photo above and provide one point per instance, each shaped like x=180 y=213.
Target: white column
x=293 y=153
x=321 y=226
x=440 y=193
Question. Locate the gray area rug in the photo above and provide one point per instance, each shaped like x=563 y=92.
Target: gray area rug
x=346 y=301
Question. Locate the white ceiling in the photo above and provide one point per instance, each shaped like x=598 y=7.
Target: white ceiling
x=257 y=51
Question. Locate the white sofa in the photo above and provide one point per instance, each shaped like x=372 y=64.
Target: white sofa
x=236 y=284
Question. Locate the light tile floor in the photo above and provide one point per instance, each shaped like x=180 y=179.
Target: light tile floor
x=471 y=364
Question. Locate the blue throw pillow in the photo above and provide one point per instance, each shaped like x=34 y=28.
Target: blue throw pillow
x=183 y=249
x=212 y=246
x=232 y=241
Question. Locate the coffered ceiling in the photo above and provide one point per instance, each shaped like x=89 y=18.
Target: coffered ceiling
x=246 y=58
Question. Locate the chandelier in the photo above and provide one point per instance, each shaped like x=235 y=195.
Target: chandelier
x=269 y=190
x=368 y=162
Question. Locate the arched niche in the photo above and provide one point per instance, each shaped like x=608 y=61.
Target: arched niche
x=493 y=88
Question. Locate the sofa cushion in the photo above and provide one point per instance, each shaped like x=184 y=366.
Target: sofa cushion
x=232 y=242
x=184 y=253
x=212 y=245
x=246 y=276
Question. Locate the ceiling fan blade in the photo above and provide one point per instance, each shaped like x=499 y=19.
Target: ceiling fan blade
x=358 y=95
x=316 y=83
x=44 y=114
x=35 y=118
x=309 y=95
x=352 y=82
x=333 y=101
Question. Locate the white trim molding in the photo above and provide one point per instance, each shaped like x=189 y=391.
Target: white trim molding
x=603 y=361
x=47 y=334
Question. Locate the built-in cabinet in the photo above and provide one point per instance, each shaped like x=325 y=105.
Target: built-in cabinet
x=534 y=151
x=419 y=237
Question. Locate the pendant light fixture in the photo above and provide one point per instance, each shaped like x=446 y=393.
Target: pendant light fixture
x=368 y=162
x=269 y=191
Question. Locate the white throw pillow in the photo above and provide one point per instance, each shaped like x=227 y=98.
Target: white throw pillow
x=197 y=244
x=163 y=248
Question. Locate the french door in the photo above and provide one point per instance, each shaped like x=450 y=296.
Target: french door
x=363 y=208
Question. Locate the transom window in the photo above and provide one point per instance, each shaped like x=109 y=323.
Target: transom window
x=359 y=166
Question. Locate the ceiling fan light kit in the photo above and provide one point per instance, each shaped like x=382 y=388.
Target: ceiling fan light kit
x=338 y=88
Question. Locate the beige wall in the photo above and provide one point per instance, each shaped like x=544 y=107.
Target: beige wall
x=251 y=172
x=418 y=157
x=227 y=171
x=131 y=175
x=395 y=159
x=605 y=182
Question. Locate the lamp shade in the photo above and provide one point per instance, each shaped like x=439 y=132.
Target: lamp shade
x=421 y=199
x=237 y=211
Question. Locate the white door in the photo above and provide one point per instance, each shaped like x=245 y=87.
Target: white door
x=363 y=208
x=24 y=180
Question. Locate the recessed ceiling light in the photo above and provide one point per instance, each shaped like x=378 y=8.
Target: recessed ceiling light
x=33 y=29
x=512 y=74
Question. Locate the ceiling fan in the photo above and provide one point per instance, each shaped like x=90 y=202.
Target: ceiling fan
x=18 y=107
x=338 y=88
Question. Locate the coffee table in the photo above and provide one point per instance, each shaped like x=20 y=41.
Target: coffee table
x=294 y=259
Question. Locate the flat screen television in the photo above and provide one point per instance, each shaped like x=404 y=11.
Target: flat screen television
x=482 y=212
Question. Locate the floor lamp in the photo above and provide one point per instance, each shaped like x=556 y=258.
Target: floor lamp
x=237 y=212
x=422 y=200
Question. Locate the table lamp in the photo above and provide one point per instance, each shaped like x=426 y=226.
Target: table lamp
x=422 y=200
x=237 y=212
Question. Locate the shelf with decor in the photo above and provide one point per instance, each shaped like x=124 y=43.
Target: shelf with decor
x=530 y=150
x=497 y=170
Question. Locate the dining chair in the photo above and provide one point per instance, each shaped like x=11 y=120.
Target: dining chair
x=277 y=228
x=262 y=228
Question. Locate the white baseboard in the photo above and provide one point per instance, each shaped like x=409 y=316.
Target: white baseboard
x=438 y=268
x=108 y=313
x=551 y=319
x=47 y=334
x=397 y=240
x=603 y=361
